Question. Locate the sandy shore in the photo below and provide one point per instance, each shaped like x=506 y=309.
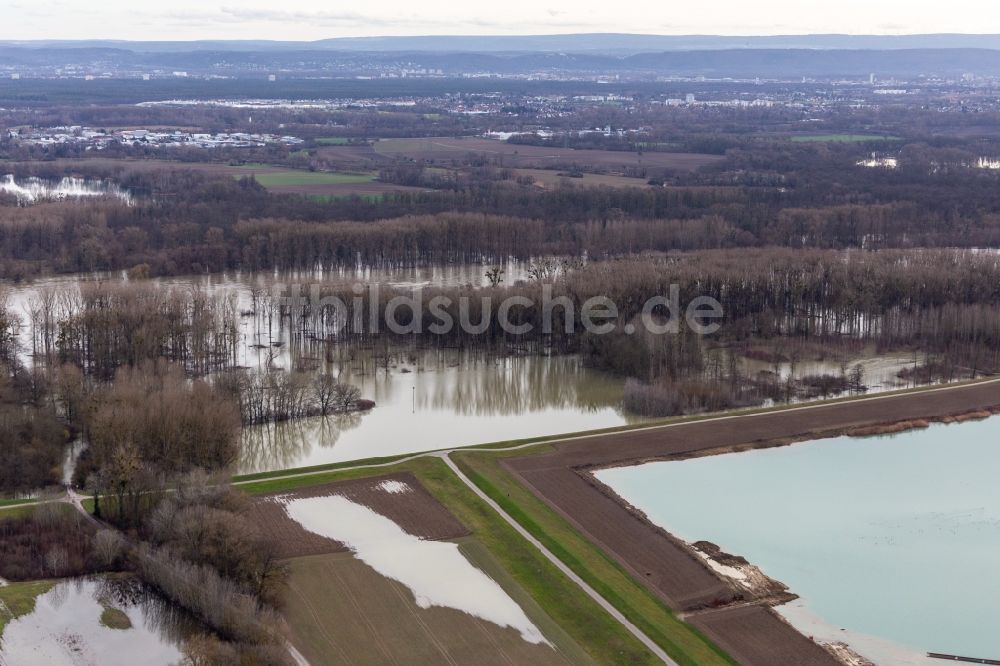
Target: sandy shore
x=872 y=650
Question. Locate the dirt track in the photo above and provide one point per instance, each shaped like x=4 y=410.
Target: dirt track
x=755 y=635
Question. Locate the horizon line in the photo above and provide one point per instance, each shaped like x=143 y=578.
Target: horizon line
x=514 y=35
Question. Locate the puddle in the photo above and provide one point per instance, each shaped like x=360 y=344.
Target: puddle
x=66 y=629
x=394 y=487
x=435 y=571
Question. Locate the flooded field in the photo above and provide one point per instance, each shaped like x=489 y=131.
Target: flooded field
x=879 y=372
x=104 y=620
x=33 y=190
x=435 y=571
x=877 y=162
x=426 y=397
x=382 y=572
x=889 y=541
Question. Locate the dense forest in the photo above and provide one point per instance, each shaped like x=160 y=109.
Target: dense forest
x=190 y=222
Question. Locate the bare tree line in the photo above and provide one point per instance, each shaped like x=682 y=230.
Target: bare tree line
x=266 y=396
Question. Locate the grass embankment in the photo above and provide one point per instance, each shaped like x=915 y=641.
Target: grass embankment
x=18 y=599
x=681 y=641
x=600 y=635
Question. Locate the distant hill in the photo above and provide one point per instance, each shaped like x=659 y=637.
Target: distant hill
x=629 y=56
x=736 y=63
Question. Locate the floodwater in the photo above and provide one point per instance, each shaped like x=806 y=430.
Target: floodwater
x=65 y=627
x=880 y=373
x=425 y=398
x=442 y=399
x=877 y=162
x=33 y=190
x=265 y=343
x=891 y=542
x=436 y=572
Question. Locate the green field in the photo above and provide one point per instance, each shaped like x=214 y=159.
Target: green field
x=842 y=138
x=270 y=176
x=328 y=198
x=333 y=141
x=16 y=502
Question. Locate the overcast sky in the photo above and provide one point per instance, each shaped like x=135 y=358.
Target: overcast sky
x=311 y=19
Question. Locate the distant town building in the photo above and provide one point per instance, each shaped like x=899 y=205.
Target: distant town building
x=94 y=139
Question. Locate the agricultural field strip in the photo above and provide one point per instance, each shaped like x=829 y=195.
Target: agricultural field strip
x=569 y=573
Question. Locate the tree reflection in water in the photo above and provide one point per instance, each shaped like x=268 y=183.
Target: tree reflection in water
x=437 y=398
x=70 y=615
x=282 y=445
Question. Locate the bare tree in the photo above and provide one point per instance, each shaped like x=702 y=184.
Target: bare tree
x=56 y=561
x=345 y=396
x=324 y=392
x=495 y=276
x=108 y=546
